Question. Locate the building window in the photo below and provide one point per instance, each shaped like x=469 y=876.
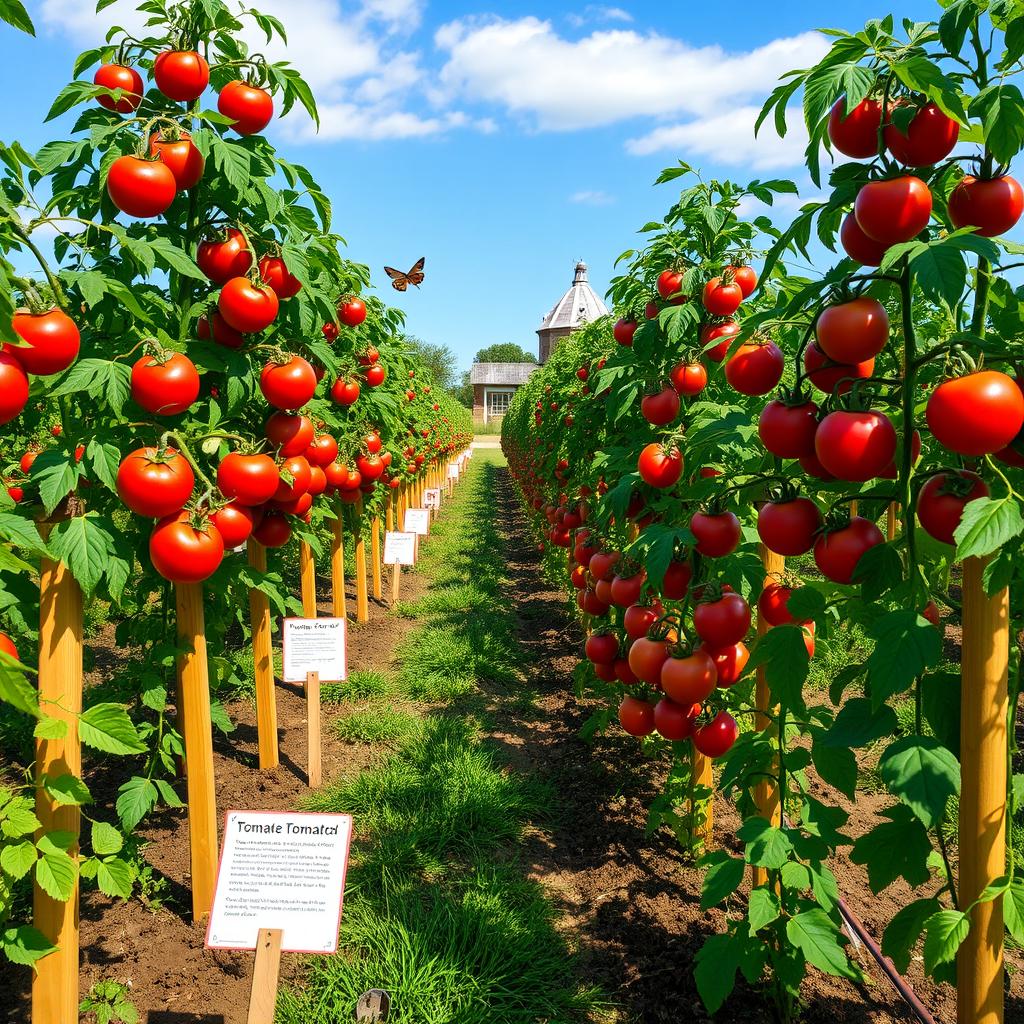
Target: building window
x=498 y=403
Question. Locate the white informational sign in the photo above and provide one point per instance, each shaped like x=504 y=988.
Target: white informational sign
x=453 y=471
x=417 y=520
x=314 y=645
x=432 y=497
x=399 y=548
x=281 y=869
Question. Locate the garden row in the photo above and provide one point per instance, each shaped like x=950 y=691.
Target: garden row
x=740 y=463
x=191 y=371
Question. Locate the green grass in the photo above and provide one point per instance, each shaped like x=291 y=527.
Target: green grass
x=361 y=683
x=438 y=909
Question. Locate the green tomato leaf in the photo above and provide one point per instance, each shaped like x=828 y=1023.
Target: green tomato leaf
x=25 y=945
x=944 y=932
x=723 y=877
x=18 y=859
x=106 y=840
x=107 y=727
x=897 y=847
x=905 y=929
x=820 y=940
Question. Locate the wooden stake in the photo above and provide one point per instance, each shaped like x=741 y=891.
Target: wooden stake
x=700 y=766
x=263 y=663
x=55 y=982
x=389 y=513
x=313 y=772
x=396 y=583
x=378 y=586
x=766 y=792
x=983 y=711
x=307 y=576
x=339 y=604
x=197 y=729
x=362 y=597
x=890 y=521
x=265 y=973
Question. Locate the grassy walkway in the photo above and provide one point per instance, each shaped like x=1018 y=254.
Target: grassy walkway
x=438 y=909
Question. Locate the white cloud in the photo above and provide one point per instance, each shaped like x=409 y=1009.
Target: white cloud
x=398 y=15
x=592 y=198
x=728 y=138
x=607 y=76
x=598 y=12
x=373 y=124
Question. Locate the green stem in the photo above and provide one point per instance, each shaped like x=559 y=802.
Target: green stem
x=58 y=292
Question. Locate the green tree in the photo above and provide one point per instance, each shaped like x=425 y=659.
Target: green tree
x=440 y=359
x=504 y=352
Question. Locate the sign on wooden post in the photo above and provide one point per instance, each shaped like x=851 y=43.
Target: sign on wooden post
x=399 y=550
x=417 y=520
x=263 y=664
x=432 y=498
x=55 y=981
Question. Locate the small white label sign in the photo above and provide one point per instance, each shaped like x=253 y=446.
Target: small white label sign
x=453 y=471
x=399 y=548
x=432 y=497
x=314 y=645
x=417 y=520
x=281 y=869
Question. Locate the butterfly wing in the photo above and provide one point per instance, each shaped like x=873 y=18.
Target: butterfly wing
x=416 y=275
x=399 y=281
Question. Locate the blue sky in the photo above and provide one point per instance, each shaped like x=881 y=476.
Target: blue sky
x=503 y=142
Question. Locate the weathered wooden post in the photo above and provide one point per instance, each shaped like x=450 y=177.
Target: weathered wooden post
x=362 y=597
x=263 y=664
x=307 y=577
x=982 y=839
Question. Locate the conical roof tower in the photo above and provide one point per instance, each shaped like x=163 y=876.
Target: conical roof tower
x=578 y=306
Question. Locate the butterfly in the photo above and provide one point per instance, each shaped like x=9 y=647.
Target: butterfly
x=400 y=281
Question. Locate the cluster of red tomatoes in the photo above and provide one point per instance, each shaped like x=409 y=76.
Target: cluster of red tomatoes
x=50 y=341
x=145 y=185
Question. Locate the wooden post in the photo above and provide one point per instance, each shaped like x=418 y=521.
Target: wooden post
x=265 y=973
x=339 y=605
x=362 y=597
x=766 y=792
x=890 y=521
x=389 y=512
x=396 y=583
x=700 y=766
x=307 y=576
x=983 y=711
x=313 y=771
x=197 y=729
x=55 y=982
x=263 y=664
x=378 y=587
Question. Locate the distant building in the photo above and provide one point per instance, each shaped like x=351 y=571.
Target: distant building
x=578 y=306
x=494 y=384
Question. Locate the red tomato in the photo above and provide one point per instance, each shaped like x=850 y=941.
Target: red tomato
x=372 y=442
x=370 y=466
x=330 y=332
x=602 y=648
x=788 y=430
x=977 y=414
x=755 y=368
x=856 y=446
x=375 y=375
x=322 y=451
x=853 y=332
x=826 y=375
x=605 y=672
x=141 y=188
x=299 y=505
x=722 y=622
x=893 y=210
x=788 y=527
x=51 y=341
x=660 y=466
x=153 y=482
x=184 y=548
x=715 y=738
x=626 y=589
x=729 y=663
x=165 y=386
x=182 y=158
x=13 y=387
x=274 y=273
x=717 y=535
x=929 y=138
x=117 y=76
x=26 y=461
x=345 y=392
x=249 y=107
x=623 y=332
x=812 y=467
x=689 y=680
x=940 y=503
x=234 y=523
x=669 y=283
x=772 y=604
x=639 y=618
x=746 y=278
x=689 y=378
x=7 y=646
x=931 y=612
x=646 y=658
x=636 y=716
x=837 y=552
x=677 y=580
x=602 y=565
x=991 y=206
x=317 y=480
x=299 y=470
x=721 y=298
x=221 y=259
x=721 y=334
x=660 y=408
x=291 y=434
x=274 y=531
x=249 y=479
x=858 y=246
x=352 y=312
x=651 y=310
x=181 y=75
x=288 y=385
x=674 y=721
x=855 y=134
x=246 y=307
